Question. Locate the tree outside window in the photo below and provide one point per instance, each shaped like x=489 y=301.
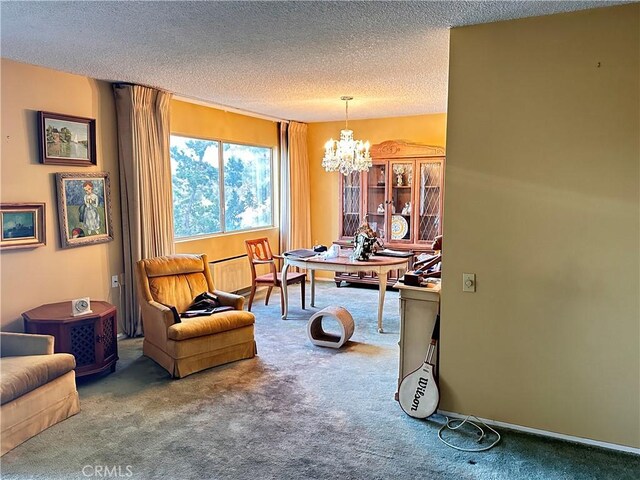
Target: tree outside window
x=247 y=189
x=247 y=185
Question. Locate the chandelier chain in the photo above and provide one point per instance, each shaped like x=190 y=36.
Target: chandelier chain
x=346 y=114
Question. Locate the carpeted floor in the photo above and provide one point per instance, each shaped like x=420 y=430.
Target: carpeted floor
x=296 y=411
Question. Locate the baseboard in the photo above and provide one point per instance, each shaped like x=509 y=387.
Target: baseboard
x=546 y=433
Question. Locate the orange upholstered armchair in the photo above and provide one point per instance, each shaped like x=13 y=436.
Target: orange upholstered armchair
x=187 y=345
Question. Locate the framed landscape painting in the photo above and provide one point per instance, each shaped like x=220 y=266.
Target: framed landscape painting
x=84 y=208
x=66 y=140
x=23 y=225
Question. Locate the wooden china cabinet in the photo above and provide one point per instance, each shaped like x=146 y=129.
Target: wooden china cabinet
x=401 y=196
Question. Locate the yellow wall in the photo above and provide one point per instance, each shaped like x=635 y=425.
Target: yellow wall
x=48 y=274
x=325 y=197
x=542 y=202
x=205 y=122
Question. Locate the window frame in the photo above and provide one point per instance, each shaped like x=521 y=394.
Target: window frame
x=222 y=202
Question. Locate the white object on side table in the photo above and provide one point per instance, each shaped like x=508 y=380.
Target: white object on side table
x=81 y=306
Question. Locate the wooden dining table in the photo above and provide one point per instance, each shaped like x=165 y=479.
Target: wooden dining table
x=378 y=264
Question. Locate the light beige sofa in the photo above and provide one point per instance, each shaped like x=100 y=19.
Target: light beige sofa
x=37 y=387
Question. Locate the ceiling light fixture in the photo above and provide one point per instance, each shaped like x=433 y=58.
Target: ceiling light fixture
x=346 y=155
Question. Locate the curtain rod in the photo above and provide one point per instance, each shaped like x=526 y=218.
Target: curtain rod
x=226 y=108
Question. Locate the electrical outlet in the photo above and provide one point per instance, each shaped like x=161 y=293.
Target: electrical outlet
x=115 y=283
x=468 y=282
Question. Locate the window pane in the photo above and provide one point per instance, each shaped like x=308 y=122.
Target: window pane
x=247 y=186
x=196 y=191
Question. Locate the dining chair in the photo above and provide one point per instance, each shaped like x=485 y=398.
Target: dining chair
x=259 y=253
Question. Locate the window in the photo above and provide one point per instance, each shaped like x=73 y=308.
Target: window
x=209 y=174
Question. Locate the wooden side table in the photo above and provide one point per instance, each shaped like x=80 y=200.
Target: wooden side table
x=91 y=338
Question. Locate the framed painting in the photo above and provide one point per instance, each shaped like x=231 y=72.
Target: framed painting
x=67 y=140
x=23 y=225
x=84 y=208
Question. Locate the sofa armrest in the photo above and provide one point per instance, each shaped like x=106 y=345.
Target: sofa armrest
x=230 y=299
x=19 y=344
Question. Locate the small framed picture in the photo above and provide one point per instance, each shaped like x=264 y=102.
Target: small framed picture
x=67 y=140
x=23 y=225
x=84 y=208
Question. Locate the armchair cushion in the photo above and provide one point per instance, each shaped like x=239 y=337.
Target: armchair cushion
x=173 y=265
x=21 y=375
x=178 y=290
x=216 y=323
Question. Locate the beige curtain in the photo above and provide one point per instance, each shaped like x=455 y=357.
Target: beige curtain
x=299 y=219
x=285 y=191
x=145 y=185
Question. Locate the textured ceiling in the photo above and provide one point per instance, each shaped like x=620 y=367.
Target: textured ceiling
x=290 y=60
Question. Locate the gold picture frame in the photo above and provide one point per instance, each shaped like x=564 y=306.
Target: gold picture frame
x=23 y=225
x=84 y=208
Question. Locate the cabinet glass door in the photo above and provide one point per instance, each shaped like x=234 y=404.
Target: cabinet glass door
x=401 y=199
x=350 y=204
x=430 y=201
x=377 y=199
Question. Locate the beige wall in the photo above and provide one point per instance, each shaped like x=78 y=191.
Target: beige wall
x=542 y=202
x=48 y=274
x=325 y=197
x=205 y=122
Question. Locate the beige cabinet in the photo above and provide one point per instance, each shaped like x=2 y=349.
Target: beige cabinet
x=418 y=311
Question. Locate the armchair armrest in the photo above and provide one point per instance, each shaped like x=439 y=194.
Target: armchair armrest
x=19 y=344
x=160 y=313
x=230 y=299
x=156 y=319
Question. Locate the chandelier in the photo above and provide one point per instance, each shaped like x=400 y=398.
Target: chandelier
x=346 y=155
